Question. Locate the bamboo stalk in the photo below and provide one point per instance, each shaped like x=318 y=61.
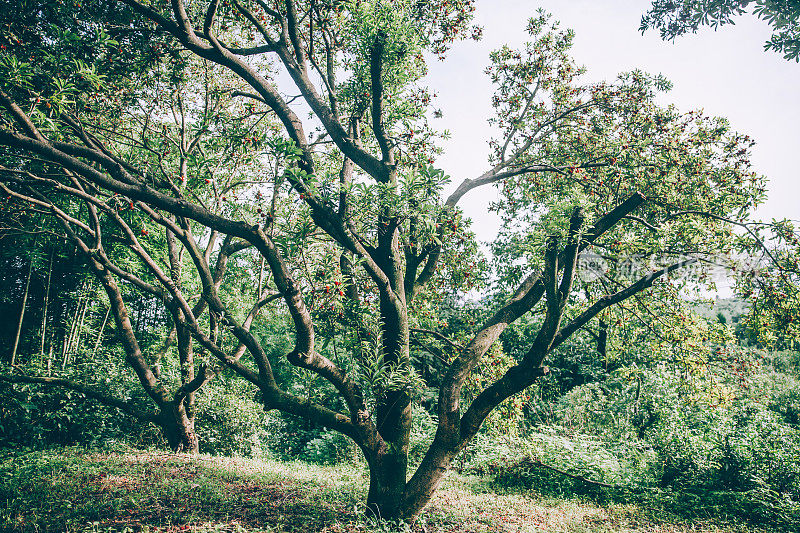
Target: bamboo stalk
x=79 y=327
x=100 y=333
x=46 y=304
x=21 y=314
x=68 y=336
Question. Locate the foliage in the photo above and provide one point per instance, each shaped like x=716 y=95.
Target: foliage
x=229 y=423
x=36 y=417
x=773 y=290
x=508 y=417
x=330 y=448
x=674 y=18
x=680 y=438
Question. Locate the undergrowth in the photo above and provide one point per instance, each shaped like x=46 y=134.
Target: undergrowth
x=126 y=490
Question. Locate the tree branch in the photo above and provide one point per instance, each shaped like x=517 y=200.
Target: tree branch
x=87 y=391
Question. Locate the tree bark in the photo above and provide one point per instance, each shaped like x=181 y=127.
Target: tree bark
x=178 y=428
x=602 y=342
x=387 y=482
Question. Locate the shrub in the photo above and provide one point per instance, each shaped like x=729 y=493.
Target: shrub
x=331 y=447
x=230 y=423
x=40 y=416
x=422 y=433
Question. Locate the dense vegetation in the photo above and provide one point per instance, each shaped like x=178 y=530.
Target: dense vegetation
x=189 y=267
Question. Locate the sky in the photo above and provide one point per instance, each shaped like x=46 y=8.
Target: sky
x=725 y=73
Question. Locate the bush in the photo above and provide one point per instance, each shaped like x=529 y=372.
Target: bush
x=331 y=447
x=422 y=432
x=230 y=423
x=739 y=446
x=516 y=462
x=40 y=416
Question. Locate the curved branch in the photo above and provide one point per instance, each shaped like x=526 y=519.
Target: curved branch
x=611 y=299
x=375 y=71
x=87 y=391
x=439 y=336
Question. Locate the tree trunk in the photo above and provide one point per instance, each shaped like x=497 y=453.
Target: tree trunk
x=602 y=342
x=389 y=463
x=21 y=315
x=178 y=428
x=447 y=444
x=427 y=478
x=389 y=466
x=387 y=482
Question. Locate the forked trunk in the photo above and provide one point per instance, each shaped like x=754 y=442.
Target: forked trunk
x=426 y=479
x=390 y=497
x=178 y=428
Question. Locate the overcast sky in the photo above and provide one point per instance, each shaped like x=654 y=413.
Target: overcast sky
x=726 y=73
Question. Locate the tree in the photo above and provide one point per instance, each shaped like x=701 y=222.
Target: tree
x=675 y=18
x=773 y=289
x=193 y=106
x=363 y=246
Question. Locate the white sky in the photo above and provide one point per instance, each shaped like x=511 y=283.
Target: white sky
x=726 y=73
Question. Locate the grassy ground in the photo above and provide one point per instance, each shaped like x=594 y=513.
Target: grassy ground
x=74 y=489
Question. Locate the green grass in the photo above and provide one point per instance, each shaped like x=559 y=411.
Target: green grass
x=75 y=489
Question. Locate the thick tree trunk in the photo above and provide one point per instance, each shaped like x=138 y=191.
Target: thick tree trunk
x=389 y=465
x=178 y=428
x=387 y=483
x=426 y=481
x=448 y=443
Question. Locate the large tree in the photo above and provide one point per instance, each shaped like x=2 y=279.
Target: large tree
x=358 y=235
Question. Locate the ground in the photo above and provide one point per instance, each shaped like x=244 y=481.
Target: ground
x=85 y=490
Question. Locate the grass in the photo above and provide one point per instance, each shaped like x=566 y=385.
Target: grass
x=86 y=490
